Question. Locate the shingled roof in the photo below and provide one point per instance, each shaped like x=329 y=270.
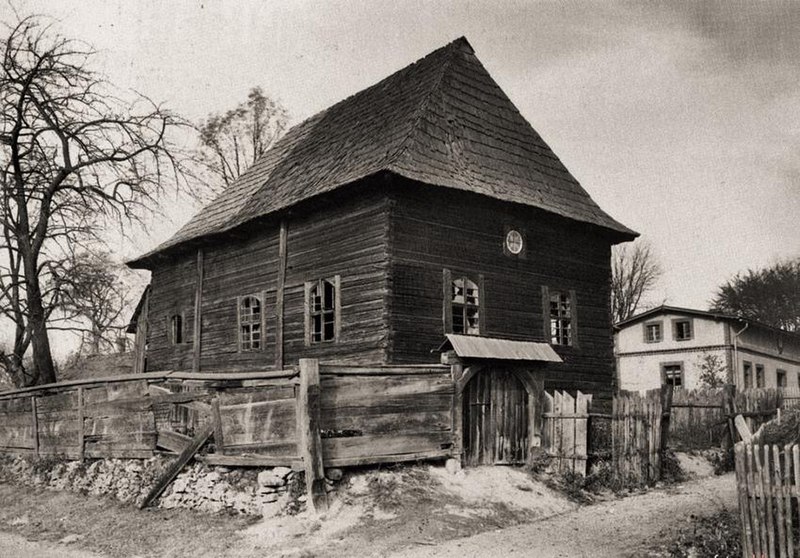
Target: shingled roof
x=442 y=120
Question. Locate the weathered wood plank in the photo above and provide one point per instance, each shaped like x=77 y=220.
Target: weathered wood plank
x=173 y=441
x=310 y=446
x=198 y=313
x=169 y=475
x=279 y=292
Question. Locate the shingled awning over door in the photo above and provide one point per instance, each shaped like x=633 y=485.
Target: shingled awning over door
x=473 y=346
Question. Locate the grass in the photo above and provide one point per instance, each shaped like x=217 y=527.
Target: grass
x=718 y=535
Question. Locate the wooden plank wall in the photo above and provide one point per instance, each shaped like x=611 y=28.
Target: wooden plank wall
x=367 y=415
x=432 y=229
x=768 y=485
x=565 y=431
x=349 y=241
x=379 y=418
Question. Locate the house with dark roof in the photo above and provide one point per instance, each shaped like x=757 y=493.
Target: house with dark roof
x=670 y=345
x=421 y=215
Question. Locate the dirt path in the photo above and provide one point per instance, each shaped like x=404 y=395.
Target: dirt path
x=19 y=547
x=621 y=528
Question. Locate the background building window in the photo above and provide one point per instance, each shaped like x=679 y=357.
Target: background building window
x=682 y=329
x=250 y=323
x=747 y=374
x=760 y=380
x=465 y=304
x=561 y=330
x=672 y=375
x=781 y=377
x=653 y=332
x=323 y=310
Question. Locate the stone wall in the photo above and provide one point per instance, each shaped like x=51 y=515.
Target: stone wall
x=265 y=492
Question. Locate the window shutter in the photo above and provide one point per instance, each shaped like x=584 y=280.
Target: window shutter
x=481 y=306
x=447 y=306
x=337 y=307
x=307 y=312
x=573 y=298
x=546 y=313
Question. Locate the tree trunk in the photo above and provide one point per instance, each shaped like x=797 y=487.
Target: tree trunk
x=42 y=358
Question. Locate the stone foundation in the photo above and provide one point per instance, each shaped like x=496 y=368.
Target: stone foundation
x=265 y=492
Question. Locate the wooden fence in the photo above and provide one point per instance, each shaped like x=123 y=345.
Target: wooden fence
x=636 y=434
x=768 y=483
x=364 y=415
x=699 y=419
x=565 y=431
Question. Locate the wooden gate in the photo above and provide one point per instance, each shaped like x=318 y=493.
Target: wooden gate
x=495 y=419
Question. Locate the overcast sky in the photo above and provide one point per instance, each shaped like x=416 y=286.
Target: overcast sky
x=682 y=120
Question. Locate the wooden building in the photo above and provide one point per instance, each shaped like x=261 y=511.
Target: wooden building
x=422 y=206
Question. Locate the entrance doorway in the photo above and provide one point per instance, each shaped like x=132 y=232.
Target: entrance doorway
x=495 y=419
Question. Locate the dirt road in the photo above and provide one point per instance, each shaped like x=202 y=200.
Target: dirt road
x=616 y=529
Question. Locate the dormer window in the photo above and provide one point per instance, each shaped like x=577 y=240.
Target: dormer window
x=653 y=332
x=682 y=329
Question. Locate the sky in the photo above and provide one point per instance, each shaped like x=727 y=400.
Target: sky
x=681 y=119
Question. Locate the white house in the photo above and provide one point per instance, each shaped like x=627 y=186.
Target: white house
x=669 y=345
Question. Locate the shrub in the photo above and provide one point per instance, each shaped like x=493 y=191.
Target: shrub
x=717 y=535
x=671 y=470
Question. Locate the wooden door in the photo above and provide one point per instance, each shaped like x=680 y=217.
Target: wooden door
x=495 y=419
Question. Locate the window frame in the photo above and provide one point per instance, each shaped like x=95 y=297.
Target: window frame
x=761 y=374
x=547 y=294
x=262 y=322
x=646 y=325
x=675 y=324
x=671 y=364
x=336 y=282
x=523 y=253
x=171 y=333
x=448 y=277
x=781 y=373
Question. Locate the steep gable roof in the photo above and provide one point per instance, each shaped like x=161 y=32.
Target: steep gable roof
x=442 y=120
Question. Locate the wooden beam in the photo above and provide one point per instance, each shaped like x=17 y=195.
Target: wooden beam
x=81 y=441
x=310 y=444
x=246 y=460
x=169 y=475
x=279 y=293
x=217 y=420
x=173 y=441
x=198 y=313
x=35 y=415
x=140 y=341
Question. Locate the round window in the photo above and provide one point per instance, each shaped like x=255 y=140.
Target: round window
x=514 y=242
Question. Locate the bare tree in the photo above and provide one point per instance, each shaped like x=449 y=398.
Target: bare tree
x=95 y=297
x=74 y=155
x=634 y=272
x=770 y=295
x=233 y=141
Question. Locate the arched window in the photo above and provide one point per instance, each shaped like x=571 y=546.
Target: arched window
x=250 y=323
x=465 y=305
x=323 y=307
x=176 y=329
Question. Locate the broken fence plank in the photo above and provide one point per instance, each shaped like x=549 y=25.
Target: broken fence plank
x=173 y=441
x=197 y=442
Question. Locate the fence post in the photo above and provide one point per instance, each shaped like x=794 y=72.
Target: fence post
x=81 y=441
x=310 y=443
x=456 y=371
x=35 y=417
x=729 y=410
x=666 y=415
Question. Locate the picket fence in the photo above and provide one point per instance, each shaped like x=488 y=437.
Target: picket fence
x=637 y=435
x=768 y=484
x=566 y=427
